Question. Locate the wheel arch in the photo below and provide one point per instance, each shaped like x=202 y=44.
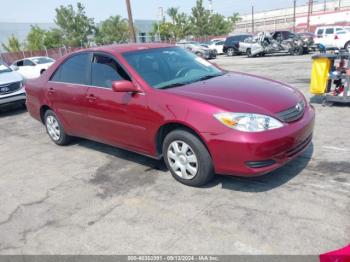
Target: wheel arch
x=168 y=127
x=43 y=110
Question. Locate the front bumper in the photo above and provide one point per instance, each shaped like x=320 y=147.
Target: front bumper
x=254 y=154
x=19 y=96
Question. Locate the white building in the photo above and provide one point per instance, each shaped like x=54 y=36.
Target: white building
x=334 y=12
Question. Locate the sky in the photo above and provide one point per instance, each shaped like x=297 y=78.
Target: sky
x=42 y=11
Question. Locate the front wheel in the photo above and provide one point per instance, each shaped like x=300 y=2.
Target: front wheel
x=187 y=158
x=230 y=52
x=55 y=129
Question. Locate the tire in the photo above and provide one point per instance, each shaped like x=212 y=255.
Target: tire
x=187 y=158
x=249 y=52
x=230 y=51
x=199 y=54
x=347 y=46
x=55 y=129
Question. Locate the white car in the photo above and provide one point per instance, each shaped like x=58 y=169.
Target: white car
x=32 y=67
x=342 y=40
x=218 y=46
x=11 y=86
x=327 y=35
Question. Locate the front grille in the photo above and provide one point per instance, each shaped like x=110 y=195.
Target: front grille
x=293 y=113
x=10 y=88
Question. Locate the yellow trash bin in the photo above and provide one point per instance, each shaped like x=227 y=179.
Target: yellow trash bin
x=321 y=68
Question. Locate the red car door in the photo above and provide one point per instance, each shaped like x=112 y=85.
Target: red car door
x=116 y=118
x=66 y=91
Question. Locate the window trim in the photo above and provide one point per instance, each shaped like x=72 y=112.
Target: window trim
x=115 y=60
x=65 y=60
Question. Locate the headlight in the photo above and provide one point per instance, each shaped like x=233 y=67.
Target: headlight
x=247 y=122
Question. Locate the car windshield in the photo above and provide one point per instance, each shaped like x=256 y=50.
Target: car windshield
x=42 y=60
x=4 y=68
x=170 y=67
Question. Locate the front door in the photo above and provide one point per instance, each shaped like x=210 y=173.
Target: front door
x=116 y=118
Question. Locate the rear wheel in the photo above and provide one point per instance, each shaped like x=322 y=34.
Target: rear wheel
x=55 y=129
x=230 y=51
x=347 y=46
x=187 y=158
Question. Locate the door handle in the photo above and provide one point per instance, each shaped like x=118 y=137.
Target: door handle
x=91 y=98
x=51 y=91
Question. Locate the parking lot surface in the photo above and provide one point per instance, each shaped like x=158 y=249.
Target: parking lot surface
x=89 y=198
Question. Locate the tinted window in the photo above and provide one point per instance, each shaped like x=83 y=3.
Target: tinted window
x=74 y=70
x=28 y=63
x=329 y=31
x=19 y=63
x=320 y=32
x=105 y=70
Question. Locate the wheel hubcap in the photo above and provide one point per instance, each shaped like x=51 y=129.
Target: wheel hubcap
x=53 y=128
x=182 y=159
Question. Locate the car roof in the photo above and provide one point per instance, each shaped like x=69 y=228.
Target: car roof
x=122 y=48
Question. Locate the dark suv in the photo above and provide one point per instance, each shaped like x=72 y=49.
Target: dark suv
x=231 y=44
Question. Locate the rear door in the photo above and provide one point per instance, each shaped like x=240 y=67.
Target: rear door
x=67 y=90
x=115 y=118
x=328 y=39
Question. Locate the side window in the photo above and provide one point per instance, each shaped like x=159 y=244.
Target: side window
x=74 y=70
x=19 y=63
x=320 y=32
x=339 y=29
x=219 y=43
x=28 y=63
x=329 y=31
x=105 y=70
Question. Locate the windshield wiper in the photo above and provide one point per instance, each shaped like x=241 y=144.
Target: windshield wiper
x=208 y=77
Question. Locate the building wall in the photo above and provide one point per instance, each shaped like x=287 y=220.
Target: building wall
x=322 y=14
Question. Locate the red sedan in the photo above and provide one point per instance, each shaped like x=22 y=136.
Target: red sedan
x=164 y=102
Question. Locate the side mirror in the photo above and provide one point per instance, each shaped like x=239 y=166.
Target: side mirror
x=124 y=86
x=14 y=67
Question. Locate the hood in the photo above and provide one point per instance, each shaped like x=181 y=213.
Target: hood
x=10 y=77
x=238 y=92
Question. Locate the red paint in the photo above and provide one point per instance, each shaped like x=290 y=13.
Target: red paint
x=132 y=120
x=341 y=255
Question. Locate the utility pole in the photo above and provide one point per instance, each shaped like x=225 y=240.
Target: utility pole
x=309 y=12
x=294 y=14
x=339 y=4
x=252 y=18
x=324 y=5
x=131 y=24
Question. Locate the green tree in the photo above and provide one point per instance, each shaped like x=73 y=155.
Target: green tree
x=165 y=30
x=13 y=44
x=35 y=38
x=74 y=24
x=53 y=38
x=114 y=29
x=200 y=19
x=172 y=12
x=219 y=25
x=234 y=18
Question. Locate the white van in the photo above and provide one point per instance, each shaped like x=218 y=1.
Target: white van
x=327 y=34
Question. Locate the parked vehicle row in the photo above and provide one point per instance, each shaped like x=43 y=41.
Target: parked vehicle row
x=165 y=102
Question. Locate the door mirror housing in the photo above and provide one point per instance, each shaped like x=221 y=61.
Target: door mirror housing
x=124 y=86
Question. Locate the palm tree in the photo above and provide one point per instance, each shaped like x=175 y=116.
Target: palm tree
x=172 y=12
